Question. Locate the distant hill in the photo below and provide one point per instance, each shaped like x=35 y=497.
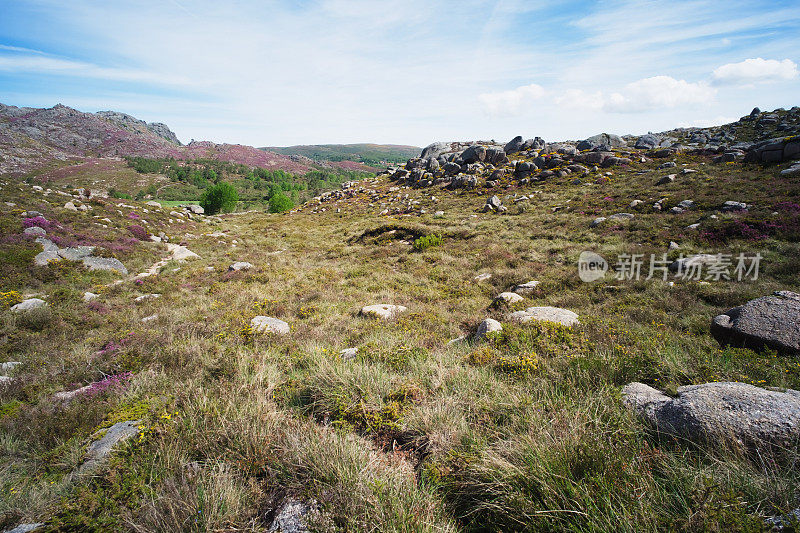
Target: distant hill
x=34 y=138
x=368 y=154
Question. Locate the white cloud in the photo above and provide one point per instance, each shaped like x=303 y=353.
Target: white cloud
x=659 y=92
x=755 y=70
x=514 y=101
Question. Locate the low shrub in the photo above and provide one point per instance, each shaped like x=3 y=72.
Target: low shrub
x=139 y=232
x=427 y=241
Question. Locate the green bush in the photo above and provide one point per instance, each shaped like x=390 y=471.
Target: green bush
x=222 y=197
x=425 y=242
x=279 y=203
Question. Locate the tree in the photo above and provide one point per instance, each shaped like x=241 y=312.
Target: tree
x=279 y=202
x=220 y=197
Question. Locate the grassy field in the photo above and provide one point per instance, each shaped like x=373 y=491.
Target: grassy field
x=523 y=432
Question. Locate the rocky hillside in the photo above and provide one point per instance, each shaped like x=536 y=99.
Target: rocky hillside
x=535 y=336
x=33 y=138
x=757 y=137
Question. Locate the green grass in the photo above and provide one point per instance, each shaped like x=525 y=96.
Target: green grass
x=524 y=432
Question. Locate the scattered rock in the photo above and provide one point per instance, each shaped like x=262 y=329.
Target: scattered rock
x=105 y=263
x=525 y=288
x=621 y=216
x=149 y=318
x=770 y=321
x=144 y=297
x=181 y=253
x=266 y=324
x=666 y=179
x=348 y=353
x=596 y=222
x=565 y=317
x=697 y=260
x=488 y=325
x=9 y=366
x=483 y=277
x=89 y=296
x=99 y=450
x=34 y=230
x=383 y=311
x=507 y=298
x=734 y=206
x=289 y=517
x=735 y=413
x=27 y=305
x=26 y=528
x=70 y=206
x=240 y=265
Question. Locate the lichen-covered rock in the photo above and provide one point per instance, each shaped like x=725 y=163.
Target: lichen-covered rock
x=266 y=324
x=766 y=322
x=488 y=325
x=726 y=412
x=98 y=451
x=565 y=317
x=383 y=311
x=105 y=263
x=27 y=305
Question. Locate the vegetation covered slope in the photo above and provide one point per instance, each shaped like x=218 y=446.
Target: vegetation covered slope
x=524 y=431
x=374 y=155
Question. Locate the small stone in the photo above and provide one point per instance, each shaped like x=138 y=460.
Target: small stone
x=99 y=450
x=348 y=353
x=144 y=297
x=383 y=311
x=565 y=317
x=89 y=296
x=525 y=288
x=488 y=325
x=240 y=265
x=507 y=298
x=27 y=305
x=34 y=230
x=483 y=277
x=266 y=324
x=149 y=318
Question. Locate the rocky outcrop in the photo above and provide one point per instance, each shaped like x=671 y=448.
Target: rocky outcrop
x=721 y=413
x=774 y=150
x=768 y=322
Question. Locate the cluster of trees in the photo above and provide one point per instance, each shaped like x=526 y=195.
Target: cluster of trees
x=280 y=190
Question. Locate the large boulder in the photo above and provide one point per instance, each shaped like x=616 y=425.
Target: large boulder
x=726 y=412
x=473 y=154
x=647 y=142
x=514 y=145
x=766 y=322
x=602 y=139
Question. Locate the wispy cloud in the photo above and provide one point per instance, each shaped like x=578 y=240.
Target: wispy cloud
x=408 y=71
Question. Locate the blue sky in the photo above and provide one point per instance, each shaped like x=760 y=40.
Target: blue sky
x=405 y=71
